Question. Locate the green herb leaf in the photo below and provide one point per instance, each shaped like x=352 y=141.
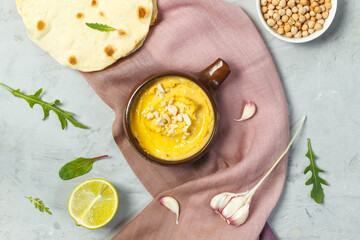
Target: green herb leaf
x=317 y=192
x=100 y=27
x=77 y=167
x=35 y=99
x=38 y=204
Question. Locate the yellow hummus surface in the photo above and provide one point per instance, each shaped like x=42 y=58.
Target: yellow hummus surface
x=174 y=140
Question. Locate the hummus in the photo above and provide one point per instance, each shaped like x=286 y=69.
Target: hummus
x=172 y=119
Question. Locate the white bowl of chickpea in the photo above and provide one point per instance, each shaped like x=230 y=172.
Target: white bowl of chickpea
x=296 y=21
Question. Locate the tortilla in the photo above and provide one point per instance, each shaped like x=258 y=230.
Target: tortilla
x=59 y=28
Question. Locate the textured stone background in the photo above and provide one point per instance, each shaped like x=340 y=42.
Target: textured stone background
x=320 y=79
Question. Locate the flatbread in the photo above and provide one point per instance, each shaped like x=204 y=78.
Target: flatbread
x=59 y=28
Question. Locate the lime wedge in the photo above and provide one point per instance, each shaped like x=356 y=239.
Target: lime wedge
x=93 y=203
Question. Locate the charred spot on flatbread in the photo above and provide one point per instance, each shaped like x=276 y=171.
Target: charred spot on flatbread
x=79 y=15
x=101 y=14
x=122 y=32
x=109 y=51
x=142 y=12
x=41 y=25
x=73 y=60
x=94 y=3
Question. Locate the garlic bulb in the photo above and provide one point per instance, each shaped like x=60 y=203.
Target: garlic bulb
x=234 y=207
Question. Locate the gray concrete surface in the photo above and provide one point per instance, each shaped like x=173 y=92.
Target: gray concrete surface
x=320 y=79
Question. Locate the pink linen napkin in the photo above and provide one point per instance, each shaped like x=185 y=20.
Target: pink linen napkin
x=188 y=36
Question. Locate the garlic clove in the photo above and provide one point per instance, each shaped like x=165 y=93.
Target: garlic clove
x=233 y=206
x=241 y=215
x=218 y=199
x=248 y=112
x=225 y=201
x=172 y=205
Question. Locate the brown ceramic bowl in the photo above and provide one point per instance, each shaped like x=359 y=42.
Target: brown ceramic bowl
x=208 y=79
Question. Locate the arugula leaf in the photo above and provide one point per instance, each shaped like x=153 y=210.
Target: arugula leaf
x=47 y=107
x=38 y=204
x=77 y=167
x=317 y=192
x=100 y=27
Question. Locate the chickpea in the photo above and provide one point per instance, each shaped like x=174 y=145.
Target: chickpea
x=305 y=33
x=285 y=18
x=266 y=16
x=272 y=7
x=305 y=27
x=270 y=22
x=287 y=28
x=289 y=35
x=294 y=9
x=263 y=2
x=328 y=5
x=281 y=12
x=264 y=9
x=304 y=2
x=311 y=31
x=322 y=7
x=280 y=23
x=317 y=9
x=288 y=12
x=302 y=18
x=302 y=11
x=321 y=21
x=307 y=16
x=318 y=26
x=307 y=9
x=271 y=13
x=314 y=4
x=298 y=35
x=313 y=19
x=291 y=21
x=275 y=2
x=325 y=15
x=276 y=17
x=294 y=30
x=275 y=27
x=280 y=31
x=291 y=3
x=282 y=3
x=311 y=24
x=295 y=17
x=312 y=13
x=298 y=24
x=318 y=16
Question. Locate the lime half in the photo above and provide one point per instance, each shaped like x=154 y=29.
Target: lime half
x=93 y=203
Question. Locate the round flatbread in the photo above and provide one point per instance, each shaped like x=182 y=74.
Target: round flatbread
x=59 y=27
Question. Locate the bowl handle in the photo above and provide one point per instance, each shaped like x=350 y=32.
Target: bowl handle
x=215 y=74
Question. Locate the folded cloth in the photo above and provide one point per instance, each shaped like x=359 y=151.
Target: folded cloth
x=188 y=36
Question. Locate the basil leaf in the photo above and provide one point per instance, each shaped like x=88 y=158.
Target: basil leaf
x=78 y=167
x=100 y=27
